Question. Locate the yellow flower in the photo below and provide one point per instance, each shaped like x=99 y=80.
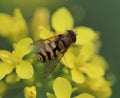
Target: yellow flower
x=95 y=68
x=63 y=89
x=13 y=60
x=85 y=50
x=85 y=35
x=40 y=19
x=40 y=23
x=84 y=67
x=98 y=87
x=30 y=92
x=13 y=27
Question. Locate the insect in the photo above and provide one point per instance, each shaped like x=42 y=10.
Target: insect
x=53 y=49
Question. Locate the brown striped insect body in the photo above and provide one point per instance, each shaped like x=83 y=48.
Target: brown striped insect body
x=53 y=49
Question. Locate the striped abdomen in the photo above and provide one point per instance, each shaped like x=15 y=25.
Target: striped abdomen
x=51 y=50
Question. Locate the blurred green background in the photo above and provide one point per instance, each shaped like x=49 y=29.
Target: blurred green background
x=101 y=15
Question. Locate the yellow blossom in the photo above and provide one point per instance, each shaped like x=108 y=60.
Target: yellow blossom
x=95 y=68
x=84 y=51
x=5 y=69
x=40 y=19
x=13 y=27
x=85 y=35
x=30 y=92
x=98 y=87
x=63 y=89
x=40 y=23
x=84 y=67
x=15 y=60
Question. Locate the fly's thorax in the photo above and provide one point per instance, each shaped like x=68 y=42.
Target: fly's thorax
x=68 y=38
x=72 y=34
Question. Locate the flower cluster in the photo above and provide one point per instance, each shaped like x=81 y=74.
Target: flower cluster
x=84 y=70
x=63 y=89
x=9 y=60
x=86 y=49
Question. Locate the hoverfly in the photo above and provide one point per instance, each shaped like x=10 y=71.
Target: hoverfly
x=53 y=49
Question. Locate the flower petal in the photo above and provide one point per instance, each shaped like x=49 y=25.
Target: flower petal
x=85 y=35
x=6 y=56
x=62 y=20
x=100 y=87
x=62 y=88
x=87 y=51
x=40 y=19
x=85 y=95
x=18 y=28
x=45 y=33
x=24 y=70
x=5 y=24
x=94 y=71
x=77 y=76
x=4 y=69
x=100 y=61
x=23 y=47
x=69 y=59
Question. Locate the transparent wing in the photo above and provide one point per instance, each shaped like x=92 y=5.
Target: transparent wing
x=52 y=65
x=39 y=43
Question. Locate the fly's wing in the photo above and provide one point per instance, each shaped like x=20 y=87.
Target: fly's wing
x=39 y=43
x=51 y=66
